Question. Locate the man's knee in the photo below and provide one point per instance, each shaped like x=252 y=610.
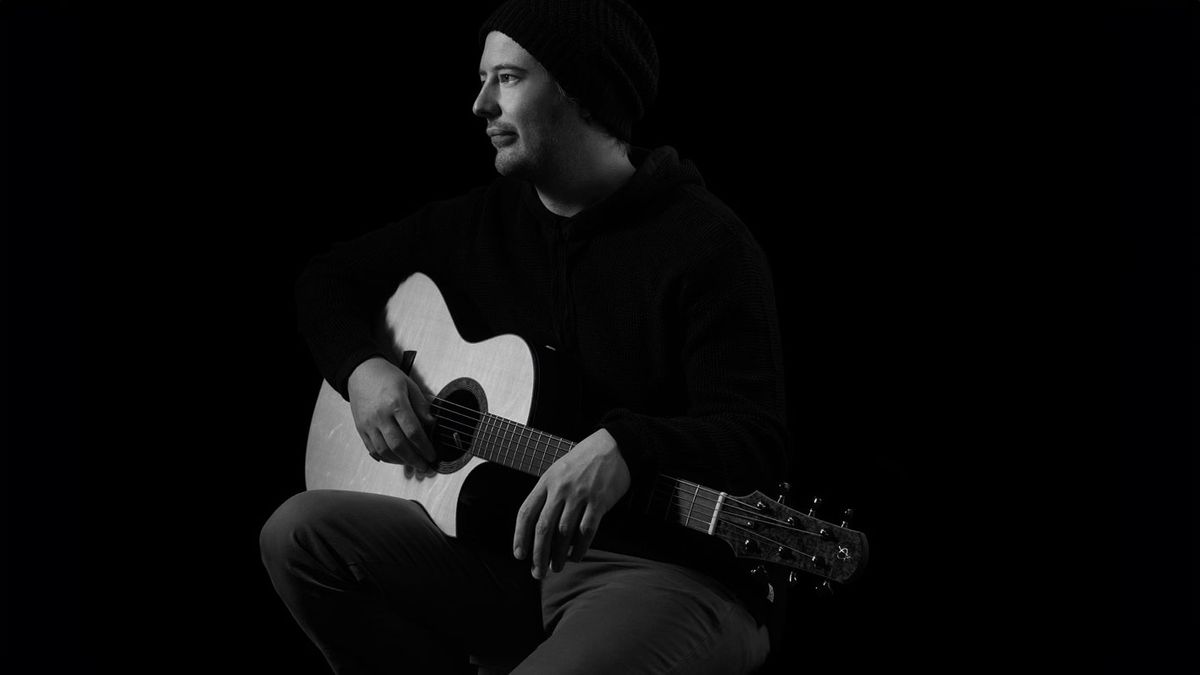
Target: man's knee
x=331 y=528
x=279 y=539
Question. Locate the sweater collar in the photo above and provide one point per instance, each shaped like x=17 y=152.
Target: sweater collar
x=658 y=170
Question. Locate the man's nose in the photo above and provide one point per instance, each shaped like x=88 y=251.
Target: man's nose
x=485 y=103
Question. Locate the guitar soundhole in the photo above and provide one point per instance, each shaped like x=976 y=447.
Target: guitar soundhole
x=459 y=407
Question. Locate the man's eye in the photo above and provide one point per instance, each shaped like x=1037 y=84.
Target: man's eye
x=505 y=78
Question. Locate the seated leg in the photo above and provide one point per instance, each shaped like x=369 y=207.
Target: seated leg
x=378 y=587
x=612 y=613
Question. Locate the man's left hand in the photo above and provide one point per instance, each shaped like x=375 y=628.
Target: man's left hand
x=563 y=511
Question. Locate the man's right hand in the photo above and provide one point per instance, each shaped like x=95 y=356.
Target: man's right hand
x=390 y=411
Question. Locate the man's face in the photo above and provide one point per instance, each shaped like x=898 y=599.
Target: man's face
x=532 y=126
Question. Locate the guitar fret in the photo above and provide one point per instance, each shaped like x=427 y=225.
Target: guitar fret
x=499 y=455
x=523 y=442
x=519 y=441
x=498 y=440
x=498 y=436
x=502 y=452
x=485 y=438
x=530 y=450
x=530 y=443
x=545 y=455
x=507 y=436
x=535 y=451
x=553 y=449
x=498 y=449
x=691 y=508
x=510 y=442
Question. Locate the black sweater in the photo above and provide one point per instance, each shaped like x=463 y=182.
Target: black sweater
x=658 y=293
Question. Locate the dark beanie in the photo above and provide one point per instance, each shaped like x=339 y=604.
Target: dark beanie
x=600 y=51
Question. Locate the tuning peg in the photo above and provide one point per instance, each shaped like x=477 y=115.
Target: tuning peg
x=817 y=501
x=824 y=589
x=759 y=572
x=750 y=546
x=794 y=579
x=847 y=515
x=784 y=489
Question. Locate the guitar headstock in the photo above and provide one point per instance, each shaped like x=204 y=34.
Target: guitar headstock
x=761 y=528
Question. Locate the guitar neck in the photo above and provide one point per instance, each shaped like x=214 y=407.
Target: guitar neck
x=530 y=451
x=517 y=446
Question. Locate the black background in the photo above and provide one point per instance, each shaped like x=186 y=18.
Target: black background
x=978 y=227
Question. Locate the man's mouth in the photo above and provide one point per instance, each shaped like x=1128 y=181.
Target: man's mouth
x=501 y=137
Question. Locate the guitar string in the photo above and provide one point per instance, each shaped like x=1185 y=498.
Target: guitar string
x=736 y=505
x=518 y=431
x=526 y=433
x=498 y=439
x=471 y=414
x=678 y=497
x=681 y=499
x=685 y=500
x=729 y=508
x=678 y=494
x=448 y=439
x=746 y=509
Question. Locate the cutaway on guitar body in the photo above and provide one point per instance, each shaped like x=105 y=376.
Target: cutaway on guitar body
x=500 y=382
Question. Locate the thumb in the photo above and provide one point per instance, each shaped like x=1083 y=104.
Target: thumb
x=419 y=403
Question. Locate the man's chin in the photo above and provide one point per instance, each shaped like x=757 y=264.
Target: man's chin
x=509 y=163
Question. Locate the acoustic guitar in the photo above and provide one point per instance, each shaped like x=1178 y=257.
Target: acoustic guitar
x=482 y=395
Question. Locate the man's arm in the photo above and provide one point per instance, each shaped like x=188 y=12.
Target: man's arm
x=733 y=434
x=732 y=437
x=340 y=297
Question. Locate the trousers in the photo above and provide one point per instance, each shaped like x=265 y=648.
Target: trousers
x=374 y=583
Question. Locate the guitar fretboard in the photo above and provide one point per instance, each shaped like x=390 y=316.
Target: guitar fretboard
x=517 y=446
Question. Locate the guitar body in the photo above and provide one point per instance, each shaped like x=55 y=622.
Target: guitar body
x=483 y=395
x=494 y=376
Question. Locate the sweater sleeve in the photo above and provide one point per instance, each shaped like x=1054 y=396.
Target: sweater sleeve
x=341 y=294
x=732 y=435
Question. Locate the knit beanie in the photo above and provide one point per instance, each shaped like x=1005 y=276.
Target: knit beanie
x=600 y=51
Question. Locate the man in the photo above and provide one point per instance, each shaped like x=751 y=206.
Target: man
x=623 y=263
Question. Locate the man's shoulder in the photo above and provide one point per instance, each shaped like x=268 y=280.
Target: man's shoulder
x=695 y=214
